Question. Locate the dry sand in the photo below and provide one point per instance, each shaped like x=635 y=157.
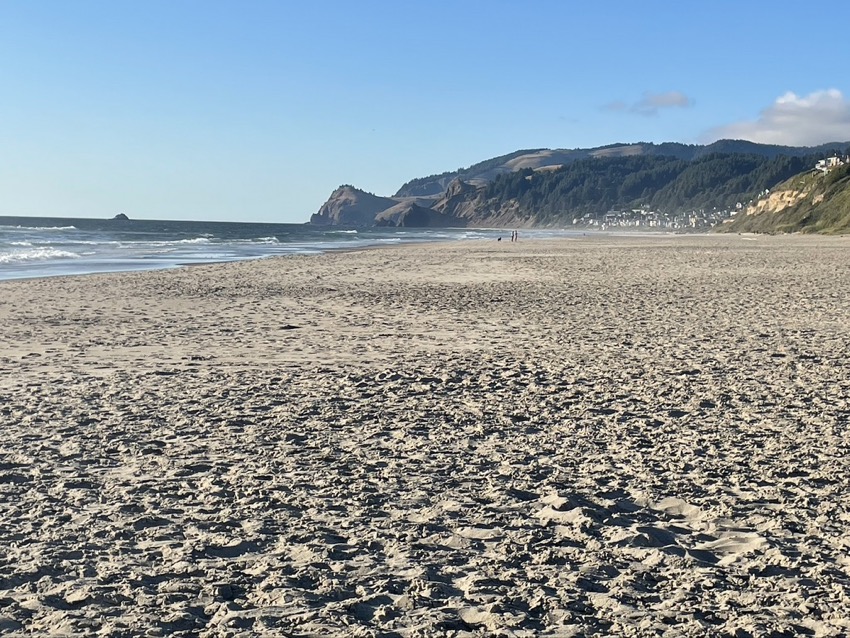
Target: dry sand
x=636 y=437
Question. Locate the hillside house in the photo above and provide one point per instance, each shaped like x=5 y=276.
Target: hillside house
x=826 y=165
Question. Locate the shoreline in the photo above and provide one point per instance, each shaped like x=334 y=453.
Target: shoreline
x=142 y=265
x=552 y=437
x=91 y=246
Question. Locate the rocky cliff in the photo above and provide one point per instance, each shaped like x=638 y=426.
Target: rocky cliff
x=350 y=206
x=411 y=215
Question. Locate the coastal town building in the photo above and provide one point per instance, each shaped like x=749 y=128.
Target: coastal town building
x=827 y=164
x=649 y=219
x=695 y=220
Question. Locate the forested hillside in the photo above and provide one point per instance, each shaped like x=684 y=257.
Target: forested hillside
x=487 y=170
x=670 y=185
x=594 y=186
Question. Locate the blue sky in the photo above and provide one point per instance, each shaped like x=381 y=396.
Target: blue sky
x=257 y=110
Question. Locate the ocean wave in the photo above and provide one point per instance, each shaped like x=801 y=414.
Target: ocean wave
x=36 y=254
x=20 y=243
x=66 y=242
x=197 y=240
x=88 y=243
x=342 y=232
x=172 y=242
x=40 y=227
x=265 y=240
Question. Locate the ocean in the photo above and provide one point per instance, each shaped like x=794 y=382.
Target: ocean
x=48 y=246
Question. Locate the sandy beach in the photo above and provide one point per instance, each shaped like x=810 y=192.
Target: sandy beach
x=641 y=436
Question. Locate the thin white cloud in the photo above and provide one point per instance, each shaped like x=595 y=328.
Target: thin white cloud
x=818 y=118
x=651 y=103
x=619 y=105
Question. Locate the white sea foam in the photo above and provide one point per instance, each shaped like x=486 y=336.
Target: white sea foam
x=87 y=242
x=40 y=227
x=196 y=240
x=36 y=254
x=173 y=242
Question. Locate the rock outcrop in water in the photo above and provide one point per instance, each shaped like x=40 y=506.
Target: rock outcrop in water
x=121 y=217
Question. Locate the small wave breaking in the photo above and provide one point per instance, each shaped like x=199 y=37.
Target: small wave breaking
x=18 y=227
x=36 y=254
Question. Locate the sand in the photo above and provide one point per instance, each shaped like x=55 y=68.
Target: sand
x=610 y=436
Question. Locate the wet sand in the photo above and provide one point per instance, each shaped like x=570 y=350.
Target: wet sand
x=610 y=436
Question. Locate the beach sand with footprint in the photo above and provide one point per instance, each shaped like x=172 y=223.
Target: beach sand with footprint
x=636 y=436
